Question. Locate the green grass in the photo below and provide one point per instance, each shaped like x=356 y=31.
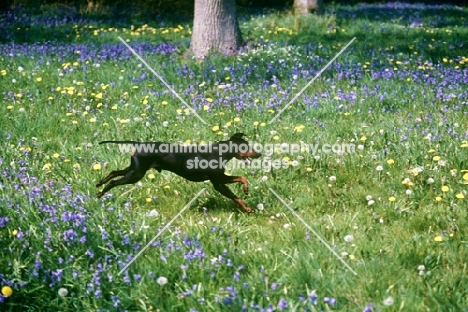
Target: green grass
x=60 y=127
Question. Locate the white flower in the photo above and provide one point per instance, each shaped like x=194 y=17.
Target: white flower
x=165 y=123
x=264 y=178
x=294 y=163
x=152 y=213
x=370 y=202
x=316 y=157
x=409 y=192
x=421 y=273
x=388 y=301
x=273 y=132
x=421 y=267
x=374 y=157
x=368 y=197
x=20 y=69
x=62 y=292
x=379 y=168
x=260 y=206
x=332 y=178
x=430 y=181
x=162 y=280
x=441 y=163
x=360 y=147
x=21 y=110
x=287 y=225
x=348 y=238
x=344 y=254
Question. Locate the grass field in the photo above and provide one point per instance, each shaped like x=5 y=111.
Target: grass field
x=395 y=209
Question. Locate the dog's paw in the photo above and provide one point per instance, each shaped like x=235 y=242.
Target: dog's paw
x=249 y=210
x=246 y=190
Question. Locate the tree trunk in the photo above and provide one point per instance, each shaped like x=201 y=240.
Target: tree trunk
x=215 y=28
x=307 y=6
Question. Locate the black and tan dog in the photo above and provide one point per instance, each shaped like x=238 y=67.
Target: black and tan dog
x=197 y=164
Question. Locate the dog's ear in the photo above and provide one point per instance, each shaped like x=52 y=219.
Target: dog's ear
x=237 y=136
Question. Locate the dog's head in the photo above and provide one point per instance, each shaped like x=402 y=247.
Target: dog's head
x=241 y=149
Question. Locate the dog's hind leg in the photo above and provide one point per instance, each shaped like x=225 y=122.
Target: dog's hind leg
x=130 y=177
x=113 y=174
x=224 y=190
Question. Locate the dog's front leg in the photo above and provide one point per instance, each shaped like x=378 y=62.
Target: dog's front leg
x=223 y=189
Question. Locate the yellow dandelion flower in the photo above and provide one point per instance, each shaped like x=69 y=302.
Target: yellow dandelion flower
x=445 y=188
x=202 y=84
x=66 y=160
x=206 y=107
x=229 y=123
x=39 y=79
x=151 y=176
x=164 y=103
x=256 y=123
x=363 y=138
x=97 y=167
x=431 y=151
x=215 y=128
x=351 y=257
x=262 y=124
x=390 y=161
x=9 y=107
x=7 y=291
x=276 y=138
x=167 y=187
x=237 y=119
x=92 y=120
x=465 y=177
x=47 y=166
x=460 y=196
x=438 y=238
x=149 y=199
x=14 y=232
x=391 y=199
x=436 y=158
x=99 y=95
x=299 y=128
x=438 y=198
x=209 y=100
x=56 y=155
x=309 y=169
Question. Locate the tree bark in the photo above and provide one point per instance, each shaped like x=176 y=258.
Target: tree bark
x=215 y=28
x=307 y=6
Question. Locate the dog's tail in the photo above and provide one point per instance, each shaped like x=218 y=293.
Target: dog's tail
x=120 y=142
